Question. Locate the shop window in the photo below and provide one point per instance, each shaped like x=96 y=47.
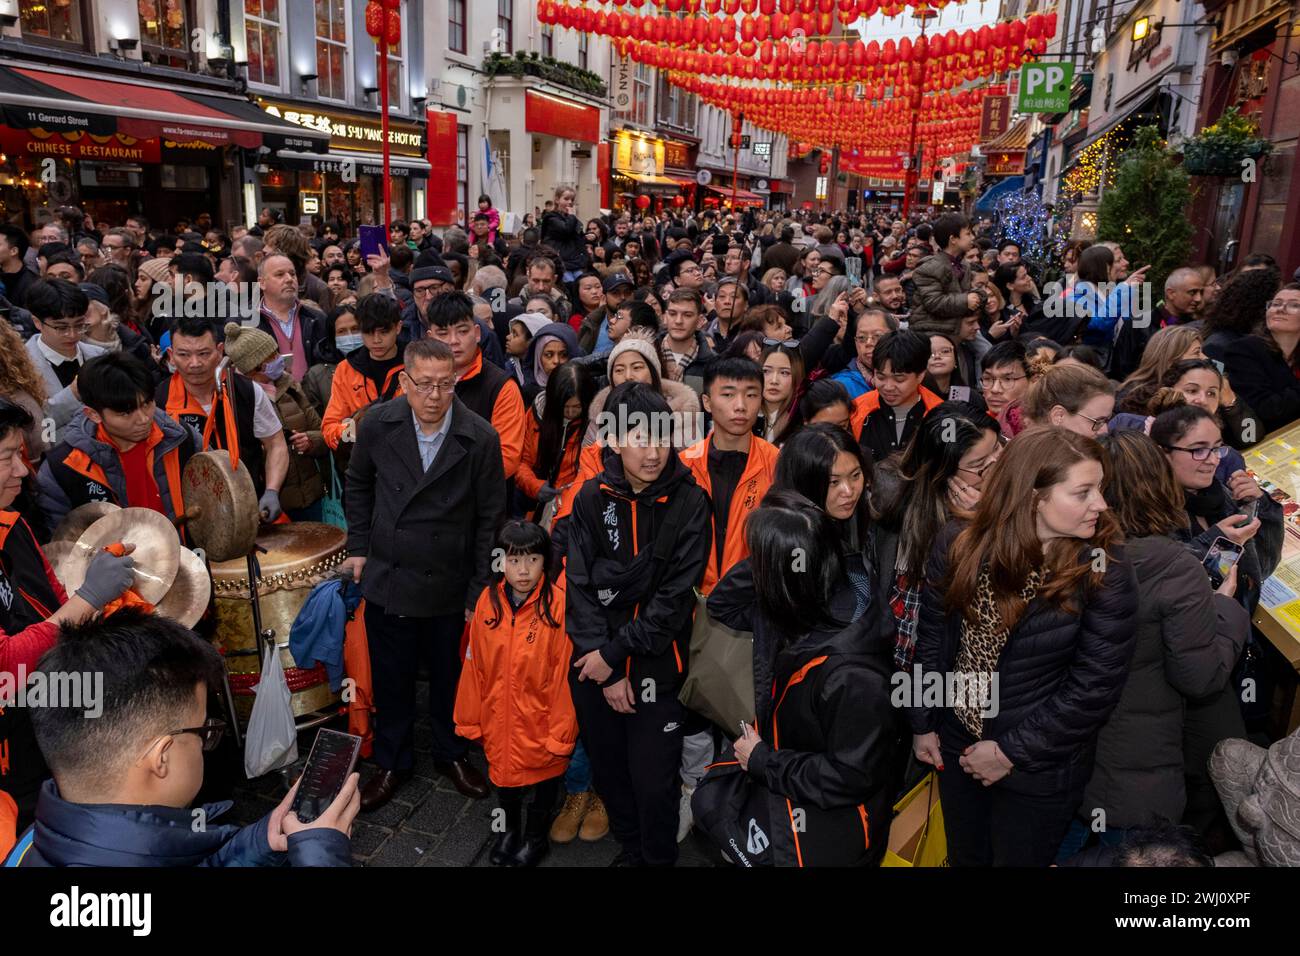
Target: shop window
x=165 y=31
x=332 y=49
x=548 y=40
x=457 y=26
x=584 y=50
x=55 y=21
x=262 y=31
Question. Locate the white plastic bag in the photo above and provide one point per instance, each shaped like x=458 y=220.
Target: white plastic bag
x=272 y=738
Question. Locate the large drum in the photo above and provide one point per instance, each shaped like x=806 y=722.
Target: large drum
x=298 y=557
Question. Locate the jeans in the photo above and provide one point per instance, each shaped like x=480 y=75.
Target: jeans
x=577 y=779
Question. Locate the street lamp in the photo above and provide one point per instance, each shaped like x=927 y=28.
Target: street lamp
x=1141 y=27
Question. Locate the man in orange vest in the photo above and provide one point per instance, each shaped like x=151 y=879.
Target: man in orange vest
x=121 y=447
x=735 y=467
x=238 y=417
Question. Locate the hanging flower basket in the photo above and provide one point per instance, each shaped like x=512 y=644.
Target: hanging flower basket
x=1219 y=149
x=1202 y=158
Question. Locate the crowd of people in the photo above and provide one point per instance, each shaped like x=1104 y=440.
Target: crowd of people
x=883 y=448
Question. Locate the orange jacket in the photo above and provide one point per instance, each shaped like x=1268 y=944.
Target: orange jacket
x=507 y=417
x=8 y=824
x=868 y=402
x=590 y=465
x=356 y=662
x=351 y=392
x=753 y=485
x=514 y=689
x=527 y=478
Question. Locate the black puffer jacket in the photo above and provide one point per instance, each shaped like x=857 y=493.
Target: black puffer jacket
x=1059 y=676
x=828 y=731
x=642 y=629
x=1188 y=639
x=564 y=233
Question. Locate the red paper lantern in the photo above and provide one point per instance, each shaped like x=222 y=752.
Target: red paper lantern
x=375 y=19
x=393 y=28
x=642 y=202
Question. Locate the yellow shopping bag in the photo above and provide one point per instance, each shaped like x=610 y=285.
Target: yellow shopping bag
x=916 y=836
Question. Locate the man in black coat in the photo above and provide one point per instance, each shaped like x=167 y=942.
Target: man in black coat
x=424 y=503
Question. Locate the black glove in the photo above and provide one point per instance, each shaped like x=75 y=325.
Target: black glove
x=546 y=493
x=107 y=577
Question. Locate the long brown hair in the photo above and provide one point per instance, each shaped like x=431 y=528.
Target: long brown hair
x=1003 y=538
x=1141 y=489
x=1165 y=348
x=17 y=373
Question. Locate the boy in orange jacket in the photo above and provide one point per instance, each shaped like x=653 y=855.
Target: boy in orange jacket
x=514 y=691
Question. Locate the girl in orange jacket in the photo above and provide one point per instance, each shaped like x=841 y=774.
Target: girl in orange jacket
x=514 y=691
x=553 y=433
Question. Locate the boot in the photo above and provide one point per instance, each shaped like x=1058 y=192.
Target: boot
x=595 y=825
x=532 y=852
x=504 y=848
x=565 y=827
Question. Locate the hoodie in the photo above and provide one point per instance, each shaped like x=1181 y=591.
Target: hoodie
x=107 y=834
x=534 y=377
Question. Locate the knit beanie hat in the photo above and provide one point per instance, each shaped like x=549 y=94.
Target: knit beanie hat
x=158 y=270
x=645 y=347
x=249 y=348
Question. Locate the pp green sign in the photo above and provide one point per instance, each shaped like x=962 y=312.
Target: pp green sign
x=1045 y=87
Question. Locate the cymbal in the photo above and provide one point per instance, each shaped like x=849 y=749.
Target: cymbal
x=220 y=506
x=79 y=519
x=189 y=594
x=56 y=552
x=156 y=554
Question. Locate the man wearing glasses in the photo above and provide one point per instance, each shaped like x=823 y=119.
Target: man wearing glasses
x=123 y=779
x=59 y=310
x=868 y=329
x=685 y=272
x=425 y=496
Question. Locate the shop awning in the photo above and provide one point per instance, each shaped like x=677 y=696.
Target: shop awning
x=989 y=200
x=743 y=196
x=652 y=179
x=68 y=103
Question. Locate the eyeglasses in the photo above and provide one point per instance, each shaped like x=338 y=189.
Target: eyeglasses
x=1201 y=454
x=689 y=271
x=213 y=729
x=424 y=291
x=988 y=463
x=781 y=343
x=1284 y=305
x=1097 y=423
x=428 y=388
x=1000 y=381
x=865 y=337
x=80 y=328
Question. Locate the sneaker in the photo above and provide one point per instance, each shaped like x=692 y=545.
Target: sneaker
x=595 y=825
x=565 y=827
x=684 y=817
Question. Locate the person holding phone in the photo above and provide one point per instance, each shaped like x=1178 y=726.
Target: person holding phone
x=1189 y=636
x=123 y=780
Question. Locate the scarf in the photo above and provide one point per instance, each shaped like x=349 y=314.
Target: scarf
x=979 y=651
x=1210 y=503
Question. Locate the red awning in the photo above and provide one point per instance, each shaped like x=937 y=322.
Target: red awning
x=564 y=119
x=136 y=110
x=743 y=196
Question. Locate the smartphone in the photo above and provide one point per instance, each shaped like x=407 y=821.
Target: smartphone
x=333 y=757
x=373 y=238
x=853 y=269
x=1250 y=509
x=1219 y=560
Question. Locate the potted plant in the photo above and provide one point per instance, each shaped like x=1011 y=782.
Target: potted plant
x=1219 y=149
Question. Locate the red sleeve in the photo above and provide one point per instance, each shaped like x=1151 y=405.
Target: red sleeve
x=25 y=648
